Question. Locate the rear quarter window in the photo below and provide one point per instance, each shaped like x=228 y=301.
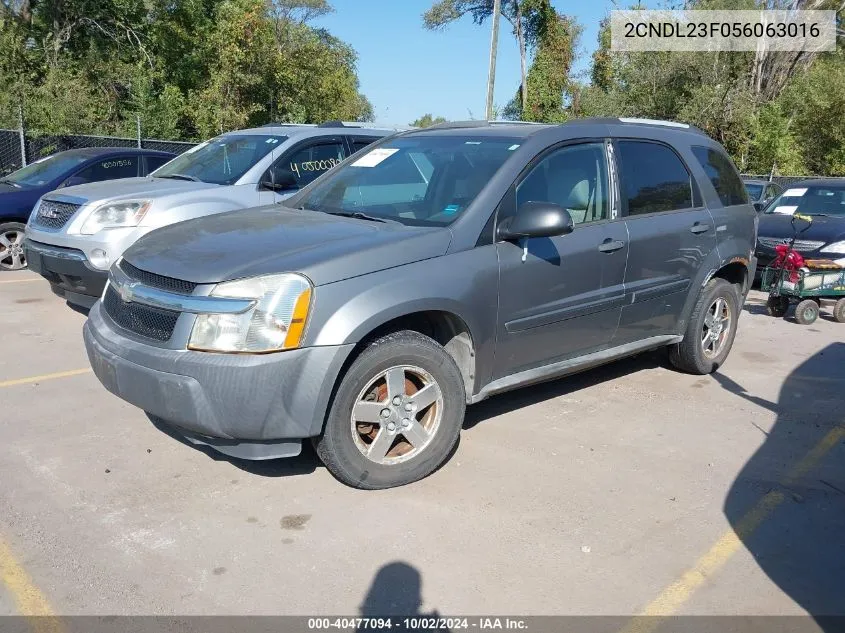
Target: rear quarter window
x=722 y=174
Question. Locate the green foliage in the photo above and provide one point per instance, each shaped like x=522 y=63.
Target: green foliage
x=427 y=120
x=189 y=69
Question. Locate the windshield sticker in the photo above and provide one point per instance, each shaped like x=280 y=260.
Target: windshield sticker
x=786 y=210
x=272 y=141
x=513 y=147
x=473 y=143
x=794 y=193
x=374 y=157
x=452 y=209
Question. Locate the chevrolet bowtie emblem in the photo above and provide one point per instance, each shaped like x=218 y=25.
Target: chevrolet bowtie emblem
x=127 y=292
x=48 y=211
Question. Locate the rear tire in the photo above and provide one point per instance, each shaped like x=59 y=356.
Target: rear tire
x=380 y=433
x=710 y=332
x=839 y=311
x=777 y=306
x=12 y=256
x=807 y=312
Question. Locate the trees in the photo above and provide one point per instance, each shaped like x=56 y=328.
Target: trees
x=189 y=69
x=427 y=120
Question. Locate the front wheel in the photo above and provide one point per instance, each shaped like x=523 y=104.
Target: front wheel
x=710 y=332
x=807 y=312
x=396 y=415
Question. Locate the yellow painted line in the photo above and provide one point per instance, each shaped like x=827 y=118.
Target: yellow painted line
x=19 y=281
x=43 y=377
x=29 y=600
x=679 y=592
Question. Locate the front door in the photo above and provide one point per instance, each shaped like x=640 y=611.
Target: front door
x=561 y=297
x=306 y=162
x=671 y=233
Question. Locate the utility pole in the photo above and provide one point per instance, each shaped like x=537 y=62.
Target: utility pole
x=494 y=44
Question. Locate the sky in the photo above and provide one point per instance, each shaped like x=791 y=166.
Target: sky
x=406 y=71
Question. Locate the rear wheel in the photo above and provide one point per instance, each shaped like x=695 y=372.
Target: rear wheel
x=839 y=310
x=777 y=306
x=807 y=312
x=396 y=415
x=12 y=256
x=711 y=330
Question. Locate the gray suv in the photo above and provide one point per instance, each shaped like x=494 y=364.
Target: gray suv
x=424 y=274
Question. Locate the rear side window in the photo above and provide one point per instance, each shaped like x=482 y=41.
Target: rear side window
x=722 y=174
x=154 y=162
x=653 y=178
x=361 y=143
x=110 y=168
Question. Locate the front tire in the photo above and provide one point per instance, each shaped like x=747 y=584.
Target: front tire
x=396 y=415
x=711 y=330
x=807 y=312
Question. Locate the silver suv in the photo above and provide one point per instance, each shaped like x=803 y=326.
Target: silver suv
x=75 y=234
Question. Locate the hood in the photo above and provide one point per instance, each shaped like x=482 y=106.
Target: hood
x=130 y=188
x=274 y=239
x=16 y=202
x=824 y=228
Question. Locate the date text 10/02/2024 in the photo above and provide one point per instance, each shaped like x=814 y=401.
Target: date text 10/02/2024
x=417 y=623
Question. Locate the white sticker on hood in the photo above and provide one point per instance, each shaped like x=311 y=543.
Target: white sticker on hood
x=786 y=210
x=794 y=193
x=374 y=157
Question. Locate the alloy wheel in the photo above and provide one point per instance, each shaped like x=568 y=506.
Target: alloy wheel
x=12 y=256
x=717 y=325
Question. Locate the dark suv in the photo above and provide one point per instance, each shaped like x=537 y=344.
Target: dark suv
x=423 y=274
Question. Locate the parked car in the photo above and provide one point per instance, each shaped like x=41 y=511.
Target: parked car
x=761 y=192
x=20 y=190
x=78 y=232
x=429 y=272
x=824 y=200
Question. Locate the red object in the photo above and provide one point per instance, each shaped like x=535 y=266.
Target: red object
x=790 y=261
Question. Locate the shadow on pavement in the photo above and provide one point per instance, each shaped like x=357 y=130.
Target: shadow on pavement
x=800 y=469
x=396 y=590
x=527 y=396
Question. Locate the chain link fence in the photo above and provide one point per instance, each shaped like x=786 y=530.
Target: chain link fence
x=35 y=147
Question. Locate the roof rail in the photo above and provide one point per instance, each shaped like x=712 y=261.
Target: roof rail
x=448 y=125
x=685 y=126
x=283 y=124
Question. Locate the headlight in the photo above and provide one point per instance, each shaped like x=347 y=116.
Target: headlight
x=835 y=247
x=275 y=323
x=117 y=214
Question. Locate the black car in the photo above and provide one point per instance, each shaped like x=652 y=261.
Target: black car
x=761 y=192
x=20 y=190
x=825 y=239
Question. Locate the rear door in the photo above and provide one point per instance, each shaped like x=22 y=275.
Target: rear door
x=671 y=233
x=561 y=297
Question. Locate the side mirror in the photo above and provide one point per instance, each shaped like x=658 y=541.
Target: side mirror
x=759 y=206
x=537 y=219
x=75 y=180
x=279 y=180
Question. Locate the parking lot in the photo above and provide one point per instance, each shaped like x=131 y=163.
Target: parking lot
x=628 y=489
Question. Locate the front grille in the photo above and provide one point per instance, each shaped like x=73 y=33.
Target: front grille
x=141 y=319
x=802 y=246
x=54 y=215
x=157 y=281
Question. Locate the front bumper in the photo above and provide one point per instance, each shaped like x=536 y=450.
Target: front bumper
x=248 y=406
x=68 y=271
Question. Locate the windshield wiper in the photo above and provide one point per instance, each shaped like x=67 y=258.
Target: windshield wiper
x=362 y=216
x=181 y=177
x=6 y=181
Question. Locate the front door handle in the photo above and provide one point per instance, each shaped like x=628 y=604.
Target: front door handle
x=699 y=228
x=609 y=246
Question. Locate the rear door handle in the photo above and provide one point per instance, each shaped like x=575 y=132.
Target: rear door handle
x=608 y=246
x=699 y=228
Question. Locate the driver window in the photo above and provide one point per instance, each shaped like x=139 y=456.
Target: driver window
x=308 y=163
x=573 y=177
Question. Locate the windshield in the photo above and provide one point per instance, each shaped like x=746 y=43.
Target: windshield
x=421 y=181
x=45 y=170
x=814 y=200
x=753 y=190
x=222 y=160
